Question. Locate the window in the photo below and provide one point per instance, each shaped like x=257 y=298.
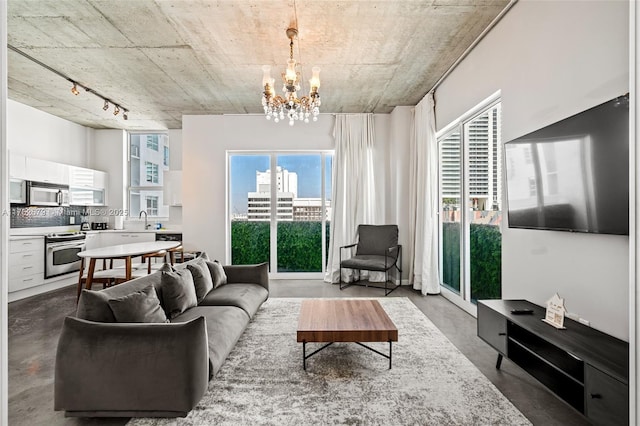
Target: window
x=152 y=172
x=152 y=205
x=148 y=159
x=280 y=207
x=470 y=187
x=152 y=142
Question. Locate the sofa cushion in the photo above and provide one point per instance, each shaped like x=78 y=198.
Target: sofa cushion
x=217 y=273
x=178 y=292
x=201 y=278
x=225 y=325
x=248 y=297
x=93 y=305
x=141 y=306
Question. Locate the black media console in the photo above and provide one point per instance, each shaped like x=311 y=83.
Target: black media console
x=585 y=367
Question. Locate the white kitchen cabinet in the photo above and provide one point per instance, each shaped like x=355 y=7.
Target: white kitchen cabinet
x=17 y=166
x=100 y=179
x=93 y=240
x=87 y=187
x=47 y=171
x=26 y=263
x=172 y=187
x=113 y=238
x=87 y=197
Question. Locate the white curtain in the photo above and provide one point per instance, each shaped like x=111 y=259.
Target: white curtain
x=423 y=192
x=353 y=195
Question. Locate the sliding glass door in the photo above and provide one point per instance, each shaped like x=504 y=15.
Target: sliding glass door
x=249 y=205
x=470 y=188
x=279 y=210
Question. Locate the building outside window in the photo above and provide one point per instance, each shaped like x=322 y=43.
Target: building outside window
x=470 y=167
x=152 y=142
x=152 y=172
x=149 y=155
x=152 y=205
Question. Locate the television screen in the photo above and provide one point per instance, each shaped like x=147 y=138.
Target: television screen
x=572 y=175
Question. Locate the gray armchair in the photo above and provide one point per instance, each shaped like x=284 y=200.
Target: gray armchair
x=377 y=249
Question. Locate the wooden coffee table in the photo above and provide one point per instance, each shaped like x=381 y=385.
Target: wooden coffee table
x=354 y=320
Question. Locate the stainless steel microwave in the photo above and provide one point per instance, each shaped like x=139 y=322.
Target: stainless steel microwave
x=47 y=194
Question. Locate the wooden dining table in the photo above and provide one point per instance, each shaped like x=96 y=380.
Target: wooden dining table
x=122 y=251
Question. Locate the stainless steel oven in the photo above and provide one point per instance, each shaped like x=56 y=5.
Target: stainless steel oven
x=61 y=253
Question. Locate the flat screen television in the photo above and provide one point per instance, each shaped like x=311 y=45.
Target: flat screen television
x=572 y=175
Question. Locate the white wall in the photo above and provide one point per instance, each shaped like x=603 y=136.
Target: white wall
x=175 y=163
x=205 y=141
x=110 y=155
x=4 y=221
x=38 y=134
x=551 y=60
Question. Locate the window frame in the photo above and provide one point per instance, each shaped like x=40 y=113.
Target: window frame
x=135 y=152
x=463 y=299
x=273 y=158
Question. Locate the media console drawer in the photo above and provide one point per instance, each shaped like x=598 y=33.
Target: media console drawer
x=607 y=399
x=583 y=366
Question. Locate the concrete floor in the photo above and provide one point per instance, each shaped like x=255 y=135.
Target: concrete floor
x=34 y=326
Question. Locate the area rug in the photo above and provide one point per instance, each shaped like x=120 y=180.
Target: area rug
x=263 y=383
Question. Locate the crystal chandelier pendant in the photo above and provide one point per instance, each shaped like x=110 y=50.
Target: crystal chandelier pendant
x=295 y=109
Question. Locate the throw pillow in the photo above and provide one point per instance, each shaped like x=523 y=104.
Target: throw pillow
x=217 y=273
x=178 y=292
x=201 y=279
x=141 y=306
x=94 y=306
x=166 y=267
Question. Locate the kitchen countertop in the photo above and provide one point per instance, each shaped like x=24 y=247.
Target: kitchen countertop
x=16 y=233
x=154 y=231
x=23 y=237
x=42 y=231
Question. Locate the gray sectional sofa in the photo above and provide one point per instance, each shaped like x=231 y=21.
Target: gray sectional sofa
x=154 y=361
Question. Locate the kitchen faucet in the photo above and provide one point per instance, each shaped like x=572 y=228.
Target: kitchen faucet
x=146 y=226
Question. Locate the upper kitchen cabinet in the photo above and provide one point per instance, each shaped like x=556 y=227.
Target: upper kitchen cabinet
x=17 y=166
x=172 y=190
x=46 y=171
x=87 y=187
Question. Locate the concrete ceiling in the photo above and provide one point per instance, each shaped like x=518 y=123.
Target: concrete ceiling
x=161 y=59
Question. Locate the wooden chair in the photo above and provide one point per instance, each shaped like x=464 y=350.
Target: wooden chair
x=159 y=254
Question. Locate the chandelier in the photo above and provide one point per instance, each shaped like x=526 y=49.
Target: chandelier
x=278 y=107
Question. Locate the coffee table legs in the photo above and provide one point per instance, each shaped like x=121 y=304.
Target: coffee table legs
x=305 y=356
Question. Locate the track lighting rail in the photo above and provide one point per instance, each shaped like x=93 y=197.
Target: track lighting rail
x=116 y=107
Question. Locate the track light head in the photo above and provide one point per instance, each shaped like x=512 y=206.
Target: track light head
x=125 y=114
x=74 y=89
x=106 y=105
x=116 y=110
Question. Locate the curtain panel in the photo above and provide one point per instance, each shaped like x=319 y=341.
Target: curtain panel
x=423 y=192
x=353 y=197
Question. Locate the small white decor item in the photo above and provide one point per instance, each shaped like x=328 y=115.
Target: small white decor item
x=555 y=312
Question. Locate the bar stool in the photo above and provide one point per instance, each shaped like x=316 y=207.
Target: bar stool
x=172 y=253
x=159 y=254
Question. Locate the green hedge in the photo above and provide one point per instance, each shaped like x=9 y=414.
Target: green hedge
x=249 y=242
x=299 y=244
x=299 y=250
x=486 y=260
